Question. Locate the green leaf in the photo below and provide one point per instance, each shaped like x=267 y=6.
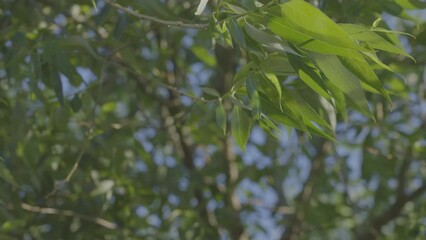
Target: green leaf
x=376 y=22
x=62 y=64
x=243 y=72
x=288 y=117
x=365 y=73
x=373 y=56
x=240 y=126
x=6 y=174
x=55 y=82
x=253 y=94
x=235 y=9
x=109 y=107
x=211 y=91
x=77 y=42
x=221 y=33
x=343 y=79
x=274 y=84
x=236 y=33
x=5 y=111
x=76 y=103
x=382 y=30
x=220 y=116
x=295 y=108
x=374 y=40
x=268 y=39
x=278 y=65
x=309 y=77
x=13 y=225
x=308 y=113
x=309 y=28
x=269 y=126
x=411 y=4
x=204 y=55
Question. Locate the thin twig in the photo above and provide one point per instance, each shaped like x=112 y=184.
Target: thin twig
x=182 y=93
x=59 y=184
x=157 y=20
x=68 y=213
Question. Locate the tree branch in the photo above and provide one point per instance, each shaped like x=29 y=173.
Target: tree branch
x=402 y=179
x=68 y=213
x=59 y=184
x=157 y=20
x=225 y=70
x=391 y=213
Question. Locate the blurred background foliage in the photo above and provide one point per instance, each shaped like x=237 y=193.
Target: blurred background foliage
x=109 y=130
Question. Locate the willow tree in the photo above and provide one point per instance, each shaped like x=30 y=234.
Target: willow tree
x=249 y=119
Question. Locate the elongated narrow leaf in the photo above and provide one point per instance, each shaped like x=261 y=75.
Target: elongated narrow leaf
x=211 y=91
x=221 y=117
x=235 y=9
x=289 y=118
x=77 y=42
x=253 y=94
x=365 y=73
x=5 y=174
x=240 y=126
x=236 y=33
x=243 y=72
x=343 y=79
x=272 y=110
x=411 y=4
x=371 y=38
x=204 y=55
x=267 y=39
x=309 y=28
x=295 y=108
x=309 y=77
x=312 y=21
x=63 y=64
x=269 y=126
x=382 y=30
x=373 y=56
x=274 y=83
x=308 y=113
x=76 y=103
x=279 y=65
x=53 y=80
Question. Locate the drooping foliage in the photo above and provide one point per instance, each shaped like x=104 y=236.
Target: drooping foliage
x=251 y=119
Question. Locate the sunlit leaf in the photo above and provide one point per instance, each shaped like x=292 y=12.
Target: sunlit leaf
x=309 y=77
x=374 y=40
x=235 y=9
x=314 y=31
x=204 y=55
x=365 y=73
x=343 y=79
